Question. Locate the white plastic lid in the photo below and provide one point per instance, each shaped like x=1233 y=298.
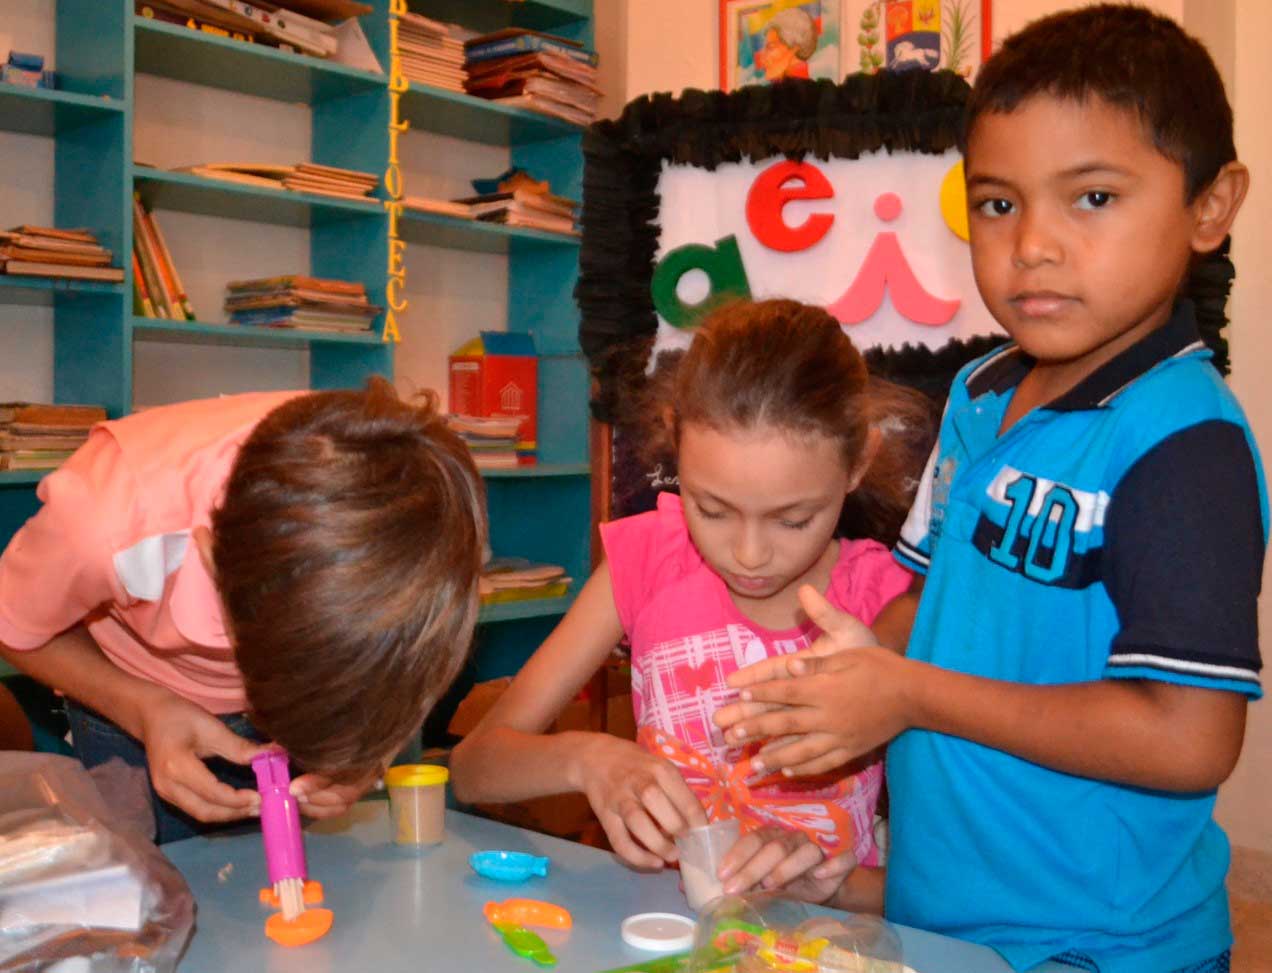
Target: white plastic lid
x=661 y=932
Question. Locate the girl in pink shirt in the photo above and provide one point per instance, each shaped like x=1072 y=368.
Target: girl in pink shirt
x=777 y=430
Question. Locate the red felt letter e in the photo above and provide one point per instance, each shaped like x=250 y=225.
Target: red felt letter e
x=770 y=193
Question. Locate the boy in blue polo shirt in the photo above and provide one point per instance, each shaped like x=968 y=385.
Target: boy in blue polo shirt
x=1091 y=529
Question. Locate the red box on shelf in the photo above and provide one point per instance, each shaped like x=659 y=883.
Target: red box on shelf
x=497 y=376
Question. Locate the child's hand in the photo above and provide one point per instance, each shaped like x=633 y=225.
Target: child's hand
x=839 y=701
x=841 y=631
x=773 y=857
x=641 y=800
x=177 y=735
x=319 y=798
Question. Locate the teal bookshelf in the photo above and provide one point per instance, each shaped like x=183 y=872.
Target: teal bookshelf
x=540 y=512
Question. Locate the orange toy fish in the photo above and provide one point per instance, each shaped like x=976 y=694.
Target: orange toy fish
x=528 y=912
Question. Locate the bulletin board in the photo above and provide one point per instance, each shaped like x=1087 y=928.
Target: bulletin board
x=848 y=196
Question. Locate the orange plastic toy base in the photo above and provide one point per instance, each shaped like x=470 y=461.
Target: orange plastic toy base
x=305 y=928
x=528 y=912
x=312 y=895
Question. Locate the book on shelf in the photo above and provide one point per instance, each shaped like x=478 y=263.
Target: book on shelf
x=493 y=440
x=247 y=21
x=549 y=106
x=45 y=415
x=300 y=281
x=306 y=177
x=572 y=95
x=163 y=288
x=443 y=207
x=38 y=251
x=505 y=579
x=24 y=268
x=524 y=208
x=431 y=52
x=164 y=15
x=39 y=436
x=544 y=64
x=295 y=301
x=516 y=40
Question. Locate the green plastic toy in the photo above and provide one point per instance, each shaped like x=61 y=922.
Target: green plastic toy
x=525 y=943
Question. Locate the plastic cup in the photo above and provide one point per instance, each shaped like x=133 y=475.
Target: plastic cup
x=701 y=852
x=417 y=803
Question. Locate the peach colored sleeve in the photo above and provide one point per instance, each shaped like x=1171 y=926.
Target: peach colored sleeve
x=59 y=567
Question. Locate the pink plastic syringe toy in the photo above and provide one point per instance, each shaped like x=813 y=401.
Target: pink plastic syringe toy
x=280 y=828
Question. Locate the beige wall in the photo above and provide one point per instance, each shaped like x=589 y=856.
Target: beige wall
x=1245 y=802
x=671 y=44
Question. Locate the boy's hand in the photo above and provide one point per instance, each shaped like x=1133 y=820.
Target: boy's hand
x=641 y=800
x=177 y=735
x=773 y=857
x=319 y=798
x=839 y=698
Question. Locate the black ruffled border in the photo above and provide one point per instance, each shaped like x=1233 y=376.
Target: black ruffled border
x=915 y=111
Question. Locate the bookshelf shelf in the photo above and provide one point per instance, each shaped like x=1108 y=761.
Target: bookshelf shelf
x=203 y=333
x=539 y=470
x=479 y=119
x=215 y=197
x=45 y=111
x=511 y=611
x=437 y=230
x=539 y=512
x=173 y=51
x=22 y=477
x=42 y=290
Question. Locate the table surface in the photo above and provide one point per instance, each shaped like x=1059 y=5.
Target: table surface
x=398 y=909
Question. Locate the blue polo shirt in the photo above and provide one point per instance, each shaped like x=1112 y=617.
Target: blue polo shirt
x=1117 y=533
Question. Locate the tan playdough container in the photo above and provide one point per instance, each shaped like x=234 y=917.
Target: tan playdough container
x=417 y=803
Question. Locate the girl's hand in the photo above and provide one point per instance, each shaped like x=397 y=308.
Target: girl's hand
x=641 y=800
x=774 y=857
x=177 y=735
x=319 y=798
x=838 y=700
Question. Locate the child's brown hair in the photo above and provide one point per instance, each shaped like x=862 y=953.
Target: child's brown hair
x=790 y=366
x=348 y=548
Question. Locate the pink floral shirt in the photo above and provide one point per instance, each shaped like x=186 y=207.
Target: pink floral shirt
x=687 y=636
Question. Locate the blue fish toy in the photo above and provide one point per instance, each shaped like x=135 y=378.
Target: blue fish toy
x=508 y=866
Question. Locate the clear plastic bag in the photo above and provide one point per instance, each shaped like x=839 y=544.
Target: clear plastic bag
x=765 y=933
x=78 y=885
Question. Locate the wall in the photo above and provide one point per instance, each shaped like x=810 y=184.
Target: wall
x=452 y=294
x=1245 y=802
x=671 y=45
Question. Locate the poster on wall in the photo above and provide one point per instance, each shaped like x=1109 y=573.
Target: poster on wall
x=763 y=41
x=925 y=35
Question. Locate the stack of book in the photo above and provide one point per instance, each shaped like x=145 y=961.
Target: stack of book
x=304 y=177
x=42 y=251
x=541 y=72
x=525 y=207
x=492 y=440
x=430 y=52
x=157 y=288
x=517 y=579
x=39 y=437
x=26 y=70
x=314 y=303
x=242 y=20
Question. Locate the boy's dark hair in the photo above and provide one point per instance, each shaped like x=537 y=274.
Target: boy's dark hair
x=348 y=549
x=790 y=366
x=1130 y=57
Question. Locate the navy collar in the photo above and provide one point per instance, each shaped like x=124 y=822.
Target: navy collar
x=1179 y=335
